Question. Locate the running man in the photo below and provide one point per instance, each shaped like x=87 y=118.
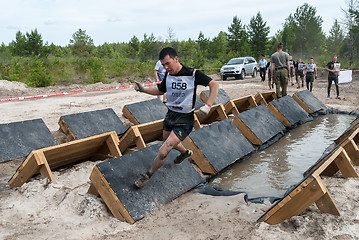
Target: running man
x=180 y=84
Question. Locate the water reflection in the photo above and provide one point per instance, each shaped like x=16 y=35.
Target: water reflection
x=272 y=171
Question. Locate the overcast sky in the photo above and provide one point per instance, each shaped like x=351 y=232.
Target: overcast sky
x=118 y=21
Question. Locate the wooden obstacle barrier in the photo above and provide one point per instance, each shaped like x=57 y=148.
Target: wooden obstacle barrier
x=312 y=189
x=258 y=125
x=288 y=111
x=308 y=101
x=348 y=147
x=234 y=106
x=43 y=160
x=238 y=105
x=216 y=113
x=265 y=97
x=141 y=134
x=217 y=146
x=86 y=124
x=113 y=180
x=18 y=139
x=145 y=111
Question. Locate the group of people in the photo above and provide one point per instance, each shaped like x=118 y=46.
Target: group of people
x=282 y=69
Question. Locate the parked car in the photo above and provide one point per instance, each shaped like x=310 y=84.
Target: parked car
x=239 y=68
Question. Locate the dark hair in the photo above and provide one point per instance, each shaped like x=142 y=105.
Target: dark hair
x=167 y=51
x=280 y=45
x=263 y=55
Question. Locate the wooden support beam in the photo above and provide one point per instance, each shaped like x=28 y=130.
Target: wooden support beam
x=43 y=160
x=246 y=131
x=197 y=124
x=353 y=151
x=103 y=189
x=216 y=113
x=278 y=115
x=302 y=104
x=198 y=157
x=127 y=114
x=44 y=170
x=311 y=190
x=141 y=134
x=66 y=129
x=244 y=103
x=260 y=99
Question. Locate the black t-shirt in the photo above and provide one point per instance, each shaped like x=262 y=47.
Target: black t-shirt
x=330 y=66
x=175 y=118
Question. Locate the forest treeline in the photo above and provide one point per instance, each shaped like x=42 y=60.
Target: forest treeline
x=37 y=63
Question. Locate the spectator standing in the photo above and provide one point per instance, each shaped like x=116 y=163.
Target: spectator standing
x=333 y=69
x=299 y=72
x=310 y=74
x=291 y=64
x=262 y=68
x=280 y=70
x=160 y=73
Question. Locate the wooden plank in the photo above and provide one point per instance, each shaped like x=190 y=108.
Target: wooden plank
x=326 y=204
x=66 y=129
x=302 y=104
x=230 y=108
x=197 y=124
x=109 y=197
x=269 y=96
x=27 y=169
x=127 y=139
x=127 y=114
x=198 y=157
x=260 y=99
x=251 y=137
x=44 y=170
x=45 y=159
x=151 y=131
x=278 y=115
x=216 y=113
x=345 y=166
x=353 y=151
x=308 y=195
x=245 y=103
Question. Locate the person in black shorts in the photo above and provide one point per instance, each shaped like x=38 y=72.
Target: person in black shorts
x=180 y=84
x=333 y=69
x=299 y=74
x=291 y=64
x=310 y=74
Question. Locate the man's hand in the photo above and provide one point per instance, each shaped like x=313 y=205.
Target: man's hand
x=204 y=110
x=139 y=87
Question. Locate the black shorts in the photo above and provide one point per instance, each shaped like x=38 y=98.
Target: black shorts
x=309 y=77
x=299 y=73
x=181 y=131
x=291 y=72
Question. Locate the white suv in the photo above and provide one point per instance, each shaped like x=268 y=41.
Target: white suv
x=239 y=68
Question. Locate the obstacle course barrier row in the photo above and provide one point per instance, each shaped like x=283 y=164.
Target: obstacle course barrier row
x=43 y=160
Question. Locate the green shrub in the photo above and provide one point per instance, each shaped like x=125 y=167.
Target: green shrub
x=39 y=75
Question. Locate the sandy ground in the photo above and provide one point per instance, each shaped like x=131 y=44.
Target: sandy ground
x=42 y=210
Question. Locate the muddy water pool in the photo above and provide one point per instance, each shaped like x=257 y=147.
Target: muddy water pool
x=270 y=172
